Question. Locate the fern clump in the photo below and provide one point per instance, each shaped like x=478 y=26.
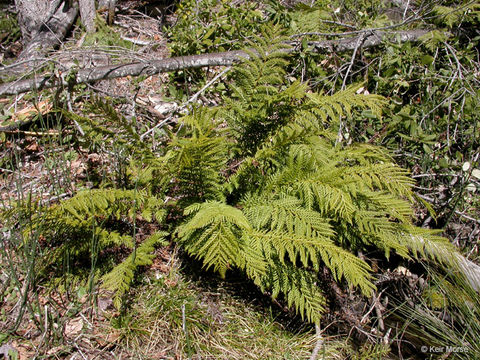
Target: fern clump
x=294 y=199
x=262 y=184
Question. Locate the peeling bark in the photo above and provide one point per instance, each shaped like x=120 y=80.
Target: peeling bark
x=370 y=39
x=195 y=61
x=31 y=15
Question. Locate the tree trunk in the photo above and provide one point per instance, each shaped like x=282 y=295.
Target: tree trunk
x=44 y=24
x=109 y=6
x=31 y=14
x=87 y=14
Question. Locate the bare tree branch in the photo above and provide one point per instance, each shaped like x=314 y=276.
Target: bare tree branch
x=91 y=75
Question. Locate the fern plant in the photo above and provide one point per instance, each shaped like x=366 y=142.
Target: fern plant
x=294 y=200
x=261 y=185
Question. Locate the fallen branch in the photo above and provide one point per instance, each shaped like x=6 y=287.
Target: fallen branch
x=152 y=67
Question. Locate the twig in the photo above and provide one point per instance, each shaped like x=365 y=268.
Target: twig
x=352 y=61
x=467 y=216
x=192 y=99
x=31 y=133
x=5 y=67
x=89 y=75
x=432 y=175
x=89 y=324
x=406 y=9
x=70 y=108
x=378 y=312
x=365 y=317
x=459 y=66
x=338 y=23
x=443 y=102
x=136 y=41
x=357 y=46
x=318 y=344
x=46 y=324
x=356 y=32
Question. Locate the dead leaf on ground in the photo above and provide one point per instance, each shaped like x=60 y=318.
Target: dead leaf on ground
x=105 y=339
x=105 y=303
x=24 y=351
x=42 y=107
x=73 y=327
x=77 y=167
x=33 y=147
x=55 y=350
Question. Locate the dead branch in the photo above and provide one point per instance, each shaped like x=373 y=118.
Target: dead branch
x=91 y=75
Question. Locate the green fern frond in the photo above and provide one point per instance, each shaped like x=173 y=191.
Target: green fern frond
x=452 y=15
x=105 y=203
x=326 y=198
x=198 y=159
x=339 y=105
x=383 y=176
x=299 y=288
x=214 y=211
x=390 y=206
x=121 y=276
x=112 y=238
x=428 y=244
x=256 y=261
x=122 y=131
x=314 y=250
x=90 y=217
x=214 y=234
x=286 y=214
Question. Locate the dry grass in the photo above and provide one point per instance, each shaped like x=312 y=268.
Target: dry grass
x=216 y=324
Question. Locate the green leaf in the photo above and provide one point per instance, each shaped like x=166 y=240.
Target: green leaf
x=427 y=59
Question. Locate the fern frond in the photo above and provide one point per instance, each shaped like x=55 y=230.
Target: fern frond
x=214 y=234
x=93 y=216
x=428 y=244
x=340 y=104
x=286 y=214
x=101 y=203
x=198 y=159
x=326 y=198
x=284 y=227
x=299 y=288
x=383 y=176
x=121 y=276
x=312 y=250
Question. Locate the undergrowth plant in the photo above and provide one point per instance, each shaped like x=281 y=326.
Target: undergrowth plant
x=430 y=122
x=260 y=184
x=213 y=25
x=23 y=225
x=445 y=316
